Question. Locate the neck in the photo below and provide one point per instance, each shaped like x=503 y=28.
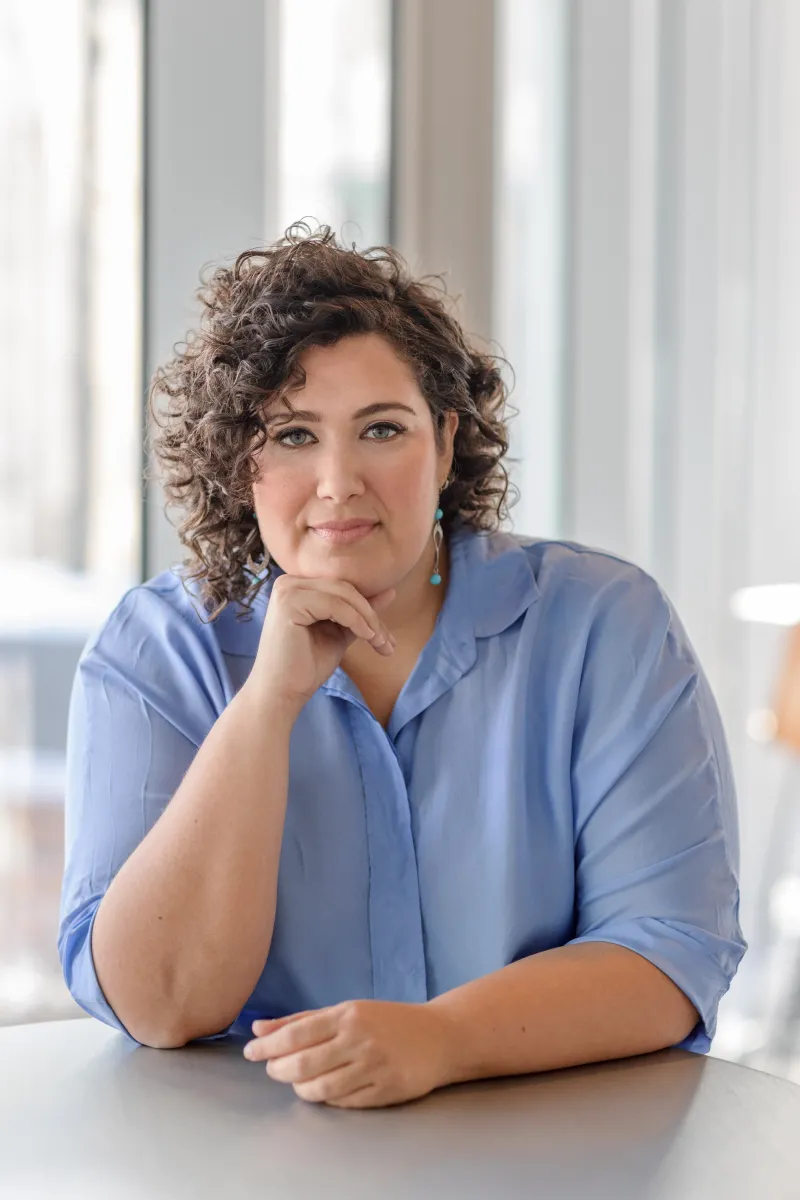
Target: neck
x=411 y=616
x=418 y=601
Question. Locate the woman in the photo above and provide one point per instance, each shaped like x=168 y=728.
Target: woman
x=416 y=800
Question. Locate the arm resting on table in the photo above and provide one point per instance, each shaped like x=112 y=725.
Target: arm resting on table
x=570 y=1005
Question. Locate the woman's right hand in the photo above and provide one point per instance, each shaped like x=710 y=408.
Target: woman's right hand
x=309 y=625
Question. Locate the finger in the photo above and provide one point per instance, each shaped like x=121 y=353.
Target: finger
x=352 y=596
x=261 y=1028
x=312 y=606
x=294 y=1036
x=368 y=607
x=308 y=1064
x=333 y=1085
x=335 y=608
x=365 y=1097
x=382 y=599
x=345 y=613
x=264 y=1025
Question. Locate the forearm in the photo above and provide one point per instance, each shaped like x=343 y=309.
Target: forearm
x=573 y=1004
x=183 y=931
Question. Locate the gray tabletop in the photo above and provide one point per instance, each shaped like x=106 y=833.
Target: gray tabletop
x=84 y=1114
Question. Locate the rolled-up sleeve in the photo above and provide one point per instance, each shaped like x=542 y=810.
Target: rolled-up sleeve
x=142 y=701
x=656 y=833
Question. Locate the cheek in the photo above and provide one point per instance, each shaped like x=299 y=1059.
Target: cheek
x=278 y=500
x=281 y=492
x=403 y=482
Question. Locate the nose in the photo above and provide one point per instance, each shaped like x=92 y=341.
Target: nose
x=339 y=477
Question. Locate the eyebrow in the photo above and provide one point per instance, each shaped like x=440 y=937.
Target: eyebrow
x=302 y=415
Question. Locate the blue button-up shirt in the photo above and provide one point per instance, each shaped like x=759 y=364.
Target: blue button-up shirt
x=554 y=770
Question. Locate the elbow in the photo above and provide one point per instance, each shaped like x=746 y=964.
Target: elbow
x=166 y=1041
x=172 y=1037
x=689 y=1026
x=681 y=1022
x=160 y=1030
x=150 y=1031
x=155 y=1038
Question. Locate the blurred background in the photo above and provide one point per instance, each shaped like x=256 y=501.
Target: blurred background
x=610 y=187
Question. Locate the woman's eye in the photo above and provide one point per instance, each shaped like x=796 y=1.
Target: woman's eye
x=395 y=429
x=281 y=439
x=385 y=425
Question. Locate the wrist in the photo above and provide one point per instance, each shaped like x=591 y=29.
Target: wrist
x=283 y=710
x=447 y=1037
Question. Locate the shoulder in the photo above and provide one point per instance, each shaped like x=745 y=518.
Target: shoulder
x=157 y=645
x=562 y=588
x=587 y=570
x=164 y=613
x=602 y=602
x=590 y=579
x=620 y=633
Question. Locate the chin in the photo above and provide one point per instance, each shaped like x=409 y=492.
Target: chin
x=367 y=581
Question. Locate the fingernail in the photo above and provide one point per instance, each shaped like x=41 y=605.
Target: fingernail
x=248 y=1050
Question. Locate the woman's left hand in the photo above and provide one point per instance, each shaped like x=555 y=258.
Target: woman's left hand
x=358 y=1054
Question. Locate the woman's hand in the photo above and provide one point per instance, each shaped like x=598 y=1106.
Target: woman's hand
x=309 y=625
x=358 y=1054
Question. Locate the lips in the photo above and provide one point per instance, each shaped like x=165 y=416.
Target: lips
x=344 y=532
x=350 y=523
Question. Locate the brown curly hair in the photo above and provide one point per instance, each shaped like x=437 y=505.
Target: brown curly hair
x=258 y=317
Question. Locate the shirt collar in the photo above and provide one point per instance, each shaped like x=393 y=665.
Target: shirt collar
x=491 y=579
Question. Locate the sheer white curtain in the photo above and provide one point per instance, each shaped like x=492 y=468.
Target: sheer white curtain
x=70 y=425
x=331 y=88
x=678 y=426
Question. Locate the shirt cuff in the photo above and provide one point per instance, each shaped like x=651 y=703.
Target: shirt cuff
x=689 y=956
x=81 y=979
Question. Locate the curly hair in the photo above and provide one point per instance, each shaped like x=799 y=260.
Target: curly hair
x=306 y=289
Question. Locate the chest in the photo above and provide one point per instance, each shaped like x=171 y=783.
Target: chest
x=381 y=683
x=422 y=862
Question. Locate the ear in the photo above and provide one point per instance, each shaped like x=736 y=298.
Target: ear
x=450 y=430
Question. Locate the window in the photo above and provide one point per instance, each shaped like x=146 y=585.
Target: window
x=70 y=460
x=333 y=87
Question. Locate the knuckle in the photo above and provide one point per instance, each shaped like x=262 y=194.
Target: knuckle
x=368 y=1049
x=339 y=587
x=354 y=596
x=292 y=1038
x=299 y=1072
x=311 y=1090
x=304 y=1067
x=352 y=1017
x=283 y=594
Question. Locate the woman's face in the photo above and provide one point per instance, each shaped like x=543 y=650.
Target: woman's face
x=335 y=462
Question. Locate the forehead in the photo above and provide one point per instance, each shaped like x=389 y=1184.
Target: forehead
x=355 y=371
x=359 y=355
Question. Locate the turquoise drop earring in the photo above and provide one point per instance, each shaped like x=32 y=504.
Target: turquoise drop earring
x=437 y=541
x=438 y=533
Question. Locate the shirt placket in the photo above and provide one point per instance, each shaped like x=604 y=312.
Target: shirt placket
x=395 y=916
